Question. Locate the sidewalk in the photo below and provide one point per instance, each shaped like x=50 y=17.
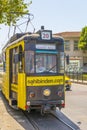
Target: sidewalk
x=11 y=119
x=79 y=81
x=7 y=122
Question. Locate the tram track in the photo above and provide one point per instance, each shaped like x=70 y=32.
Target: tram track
x=56 y=120
x=34 y=120
x=33 y=123
x=60 y=116
x=52 y=121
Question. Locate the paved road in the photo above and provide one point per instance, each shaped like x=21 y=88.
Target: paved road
x=76 y=110
x=76 y=105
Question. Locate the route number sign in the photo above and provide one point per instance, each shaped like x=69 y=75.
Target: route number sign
x=46 y=35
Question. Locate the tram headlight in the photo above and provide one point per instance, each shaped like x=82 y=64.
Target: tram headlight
x=31 y=94
x=46 y=92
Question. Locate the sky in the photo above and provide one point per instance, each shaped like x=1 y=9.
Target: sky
x=55 y=15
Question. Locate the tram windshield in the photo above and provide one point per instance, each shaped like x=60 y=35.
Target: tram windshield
x=42 y=62
x=46 y=63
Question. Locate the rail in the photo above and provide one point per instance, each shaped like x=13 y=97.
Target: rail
x=53 y=121
x=60 y=116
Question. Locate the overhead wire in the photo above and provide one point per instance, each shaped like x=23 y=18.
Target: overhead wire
x=29 y=18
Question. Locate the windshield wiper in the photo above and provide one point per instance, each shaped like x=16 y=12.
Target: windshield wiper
x=51 y=68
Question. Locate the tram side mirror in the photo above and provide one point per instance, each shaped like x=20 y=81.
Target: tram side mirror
x=16 y=58
x=67 y=59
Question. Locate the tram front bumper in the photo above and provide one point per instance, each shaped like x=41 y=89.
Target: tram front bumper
x=46 y=105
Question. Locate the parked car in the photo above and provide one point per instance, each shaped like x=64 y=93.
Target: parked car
x=67 y=83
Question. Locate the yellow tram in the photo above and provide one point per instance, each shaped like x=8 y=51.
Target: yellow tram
x=33 y=75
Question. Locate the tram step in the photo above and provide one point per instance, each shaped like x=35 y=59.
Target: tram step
x=12 y=102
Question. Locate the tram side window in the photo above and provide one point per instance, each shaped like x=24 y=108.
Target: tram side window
x=29 y=62
x=14 y=66
x=4 y=62
x=62 y=64
x=21 y=59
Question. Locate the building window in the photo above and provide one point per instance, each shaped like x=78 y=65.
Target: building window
x=75 y=45
x=67 y=45
x=85 y=60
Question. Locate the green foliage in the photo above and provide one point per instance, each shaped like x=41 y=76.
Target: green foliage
x=83 y=39
x=11 y=10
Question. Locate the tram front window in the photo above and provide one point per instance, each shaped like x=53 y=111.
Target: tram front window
x=40 y=63
x=46 y=63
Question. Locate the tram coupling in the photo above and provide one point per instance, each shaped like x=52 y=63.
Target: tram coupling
x=47 y=108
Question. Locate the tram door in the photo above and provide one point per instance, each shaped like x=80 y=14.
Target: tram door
x=13 y=72
x=16 y=66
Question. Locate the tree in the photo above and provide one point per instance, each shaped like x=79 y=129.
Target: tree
x=83 y=39
x=11 y=10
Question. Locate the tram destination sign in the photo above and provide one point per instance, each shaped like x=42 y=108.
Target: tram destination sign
x=46 y=35
x=45 y=46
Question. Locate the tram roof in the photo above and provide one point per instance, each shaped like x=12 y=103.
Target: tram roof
x=20 y=36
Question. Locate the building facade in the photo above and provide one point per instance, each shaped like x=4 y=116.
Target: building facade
x=78 y=58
